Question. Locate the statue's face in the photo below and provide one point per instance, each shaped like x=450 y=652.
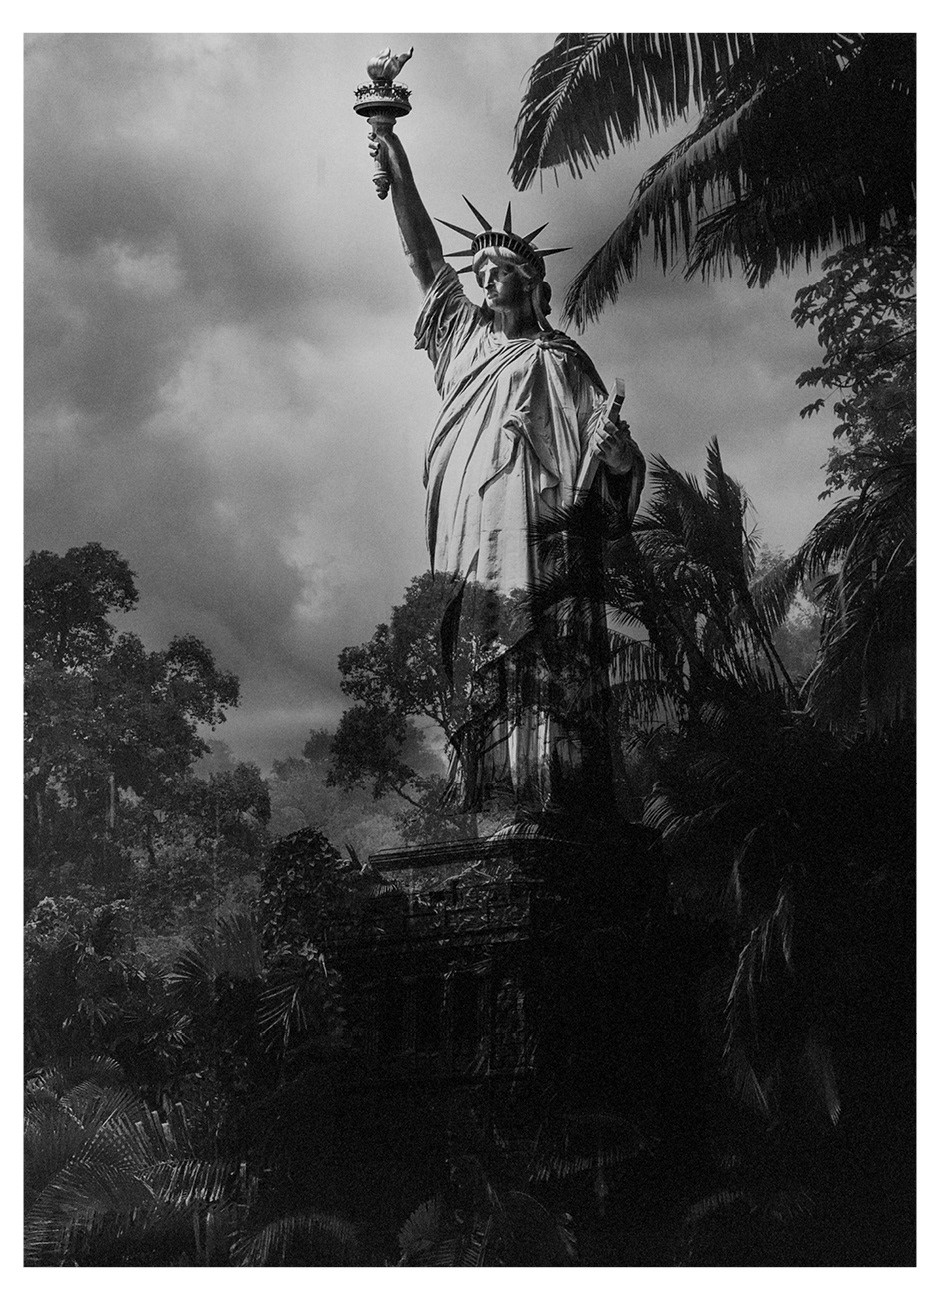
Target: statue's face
x=503 y=284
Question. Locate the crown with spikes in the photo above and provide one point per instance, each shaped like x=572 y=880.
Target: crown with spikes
x=489 y=237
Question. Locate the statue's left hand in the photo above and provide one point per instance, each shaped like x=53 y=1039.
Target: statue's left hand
x=614 y=446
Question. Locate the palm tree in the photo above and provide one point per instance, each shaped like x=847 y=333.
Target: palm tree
x=804 y=141
x=679 y=585
x=862 y=557
x=512 y=1229
x=110 y=1182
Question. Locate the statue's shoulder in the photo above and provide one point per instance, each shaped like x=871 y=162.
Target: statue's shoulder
x=558 y=339
x=446 y=314
x=572 y=353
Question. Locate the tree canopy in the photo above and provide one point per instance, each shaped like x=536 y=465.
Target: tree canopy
x=66 y=602
x=864 y=310
x=400 y=679
x=112 y=728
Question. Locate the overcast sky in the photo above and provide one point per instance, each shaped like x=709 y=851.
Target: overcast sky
x=221 y=383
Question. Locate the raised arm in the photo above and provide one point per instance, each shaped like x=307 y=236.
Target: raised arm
x=418 y=235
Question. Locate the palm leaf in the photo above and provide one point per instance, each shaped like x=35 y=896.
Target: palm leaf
x=644 y=685
x=665 y=205
x=231 y=946
x=767 y=954
x=819 y=1067
x=472 y=1253
x=591 y=92
x=591 y=1140
x=57 y=1078
x=714 y=1203
x=755 y=182
x=107 y=1179
x=428 y=1239
x=865 y=668
x=775 y=590
x=326 y=1237
x=186 y=1183
x=86 y=1187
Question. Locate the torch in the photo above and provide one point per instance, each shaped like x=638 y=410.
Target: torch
x=382 y=103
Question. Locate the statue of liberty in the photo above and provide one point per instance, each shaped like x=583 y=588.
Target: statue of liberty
x=524 y=431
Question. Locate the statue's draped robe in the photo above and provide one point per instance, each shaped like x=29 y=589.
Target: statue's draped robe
x=513 y=434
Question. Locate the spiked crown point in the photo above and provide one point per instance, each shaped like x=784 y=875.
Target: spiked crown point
x=490 y=237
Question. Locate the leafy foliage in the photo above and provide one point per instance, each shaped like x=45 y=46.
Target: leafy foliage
x=305 y=887
x=78 y=983
x=864 y=313
x=488 y=1217
x=796 y=637
x=300 y=889
x=400 y=674
x=66 y=602
x=300 y=1239
x=201 y=850
x=112 y=733
x=518 y=1231
x=679 y=584
x=804 y=140
x=862 y=556
x=110 y=1182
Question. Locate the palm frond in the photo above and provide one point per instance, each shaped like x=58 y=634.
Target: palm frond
x=866 y=664
x=111 y=1182
x=669 y=203
x=819 y=1067
x=643 y=684
x=231 y=946
x=286 y=1004
x=424 y=1235
x=714 y=1203
x=474 y=1246
x=754 y=1068
x=592 y=92
x=190 y=1182
x=59 y=1077
x=775 y=590
x=591 y=1141
x=755 y=183
x=312 y=1236
x=91 y=1181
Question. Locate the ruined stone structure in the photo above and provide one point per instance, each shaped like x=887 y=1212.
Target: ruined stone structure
x=495 y=963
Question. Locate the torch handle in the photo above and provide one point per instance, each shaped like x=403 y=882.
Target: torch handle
x=382 y=178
